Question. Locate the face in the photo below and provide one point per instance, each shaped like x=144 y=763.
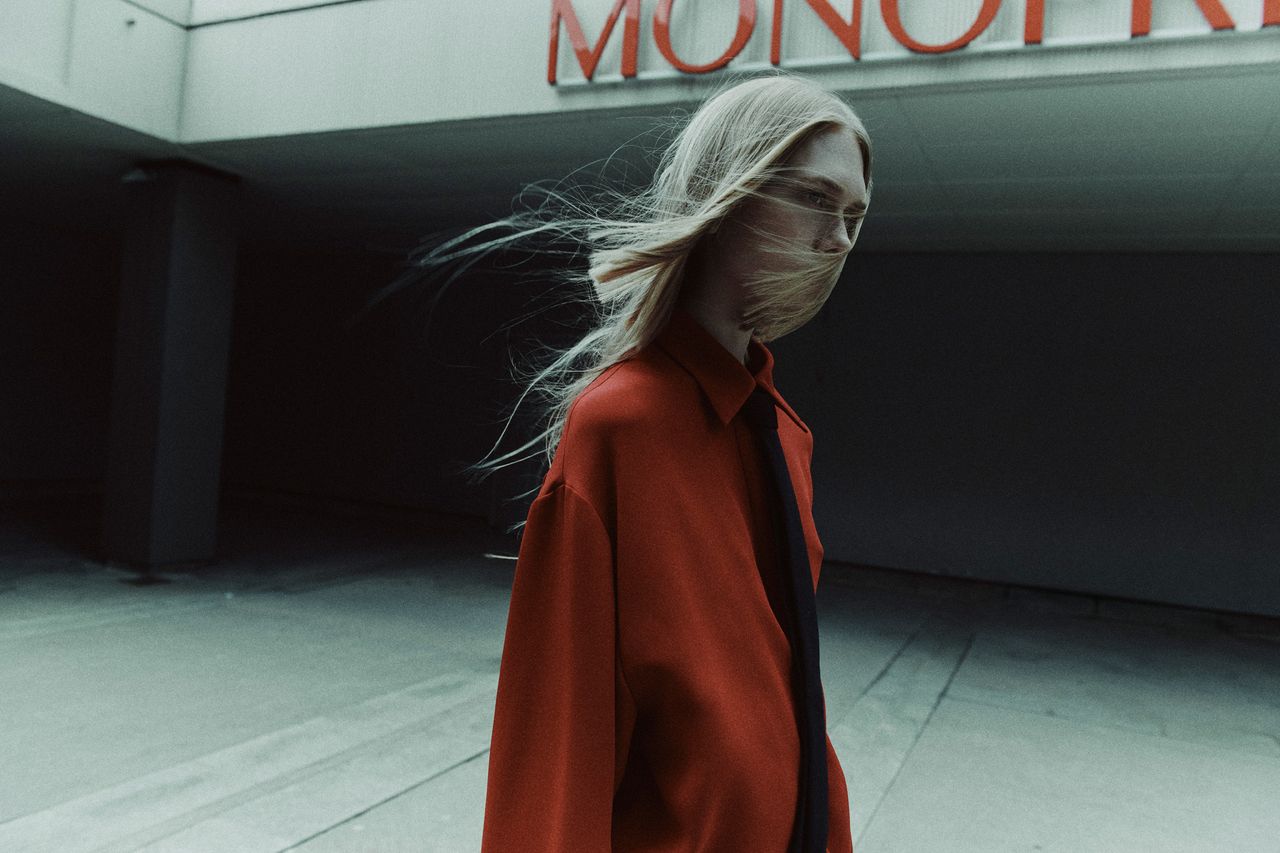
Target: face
x=817 y=205
x=820 y=205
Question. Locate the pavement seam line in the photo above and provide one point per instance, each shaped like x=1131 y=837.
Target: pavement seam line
x=384 y=801
x=919 y=733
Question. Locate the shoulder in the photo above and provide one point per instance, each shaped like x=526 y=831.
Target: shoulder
x=628 y=399
x=619 y=424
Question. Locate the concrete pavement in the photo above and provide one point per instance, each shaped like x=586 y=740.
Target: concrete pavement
x=328 y=686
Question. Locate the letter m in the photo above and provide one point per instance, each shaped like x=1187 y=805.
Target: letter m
x=589 y=57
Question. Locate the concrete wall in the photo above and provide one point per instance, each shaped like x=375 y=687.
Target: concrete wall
x=123 y=62
x=1100 y=423
x=378 y=407
x=58 y=292
x=388 y=62
x=319 y=401
x=228 y=69
x=1105 y=423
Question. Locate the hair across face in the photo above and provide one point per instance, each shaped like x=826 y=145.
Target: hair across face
x=788 y=244
x=774 y=173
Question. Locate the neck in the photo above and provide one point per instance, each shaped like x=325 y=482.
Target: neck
x=715 y=302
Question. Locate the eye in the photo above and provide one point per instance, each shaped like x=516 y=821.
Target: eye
x=819 y=199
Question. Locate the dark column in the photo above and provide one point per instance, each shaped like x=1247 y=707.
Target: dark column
x=169 y=385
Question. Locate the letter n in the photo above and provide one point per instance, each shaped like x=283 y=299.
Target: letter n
x=589 y=57
x=849 y=33
x=1214 y=13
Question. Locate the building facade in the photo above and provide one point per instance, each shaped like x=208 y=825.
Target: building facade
x=1053 y=359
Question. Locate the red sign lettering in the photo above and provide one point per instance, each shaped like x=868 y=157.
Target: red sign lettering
x=849 y=33
x=892 y=20
x=589 y=57
x=662 y=36
x=1211 y=9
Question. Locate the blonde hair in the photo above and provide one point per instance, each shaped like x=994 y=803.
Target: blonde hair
x=735 y=144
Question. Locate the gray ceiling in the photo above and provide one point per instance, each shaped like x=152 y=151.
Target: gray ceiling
x=1132 y=163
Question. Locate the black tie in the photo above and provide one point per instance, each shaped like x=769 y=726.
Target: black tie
x=809 y=834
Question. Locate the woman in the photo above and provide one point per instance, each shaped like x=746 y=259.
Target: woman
x=648 y=695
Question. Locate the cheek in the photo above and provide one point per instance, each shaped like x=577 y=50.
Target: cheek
x=746 y=242
x=804 y=226
x=791 y=226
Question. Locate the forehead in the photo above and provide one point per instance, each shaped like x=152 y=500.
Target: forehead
x=832 y=153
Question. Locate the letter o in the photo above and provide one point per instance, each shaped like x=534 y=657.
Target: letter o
x=892 y=20
x=662 y=36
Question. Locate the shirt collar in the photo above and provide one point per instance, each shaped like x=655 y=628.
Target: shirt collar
x=726 y=382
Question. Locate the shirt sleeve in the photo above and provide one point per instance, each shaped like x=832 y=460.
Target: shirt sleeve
x=559 y=728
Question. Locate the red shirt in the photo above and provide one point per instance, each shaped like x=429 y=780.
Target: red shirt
x=644 y=698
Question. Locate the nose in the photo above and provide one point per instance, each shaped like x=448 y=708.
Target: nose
x=837 y=238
